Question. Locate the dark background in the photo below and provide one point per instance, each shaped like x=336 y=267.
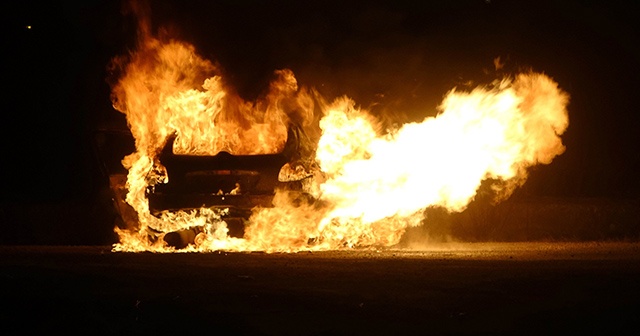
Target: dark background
x=396 y=57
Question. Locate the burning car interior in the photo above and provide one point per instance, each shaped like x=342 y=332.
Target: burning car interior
x=230 y=185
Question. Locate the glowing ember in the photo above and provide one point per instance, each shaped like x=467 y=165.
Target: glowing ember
x=366 y=187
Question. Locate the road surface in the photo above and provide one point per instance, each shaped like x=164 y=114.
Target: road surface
x=501 y=288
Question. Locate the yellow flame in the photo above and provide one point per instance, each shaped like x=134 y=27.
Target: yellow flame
x=488 y=133
x=368 y=187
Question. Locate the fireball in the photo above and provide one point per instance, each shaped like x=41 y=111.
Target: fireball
x=362 y=187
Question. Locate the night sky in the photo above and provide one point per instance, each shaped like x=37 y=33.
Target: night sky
x=396 y=57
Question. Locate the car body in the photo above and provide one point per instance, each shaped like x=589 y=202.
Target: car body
x=233 y=184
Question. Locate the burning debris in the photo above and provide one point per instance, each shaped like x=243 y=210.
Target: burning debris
x=208 y=163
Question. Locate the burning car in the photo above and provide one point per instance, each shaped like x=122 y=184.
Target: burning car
x=232 y=155
x=236 y=182
x=231 y=185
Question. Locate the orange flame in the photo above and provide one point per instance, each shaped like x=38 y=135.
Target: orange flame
x=368 y=187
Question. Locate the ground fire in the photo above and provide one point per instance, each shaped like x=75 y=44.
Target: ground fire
x=313 y=174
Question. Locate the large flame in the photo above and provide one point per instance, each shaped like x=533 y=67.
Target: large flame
x=369 y=186
x=379 y=185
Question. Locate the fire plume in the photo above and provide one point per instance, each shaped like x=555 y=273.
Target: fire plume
x=368 y=186
x=491 y=133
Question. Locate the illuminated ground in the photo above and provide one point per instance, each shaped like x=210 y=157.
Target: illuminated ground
x=521 y=288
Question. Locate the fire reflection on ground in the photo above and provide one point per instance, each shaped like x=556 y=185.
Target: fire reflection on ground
x=511 y=288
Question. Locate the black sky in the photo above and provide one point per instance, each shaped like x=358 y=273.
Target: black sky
x=396 y=57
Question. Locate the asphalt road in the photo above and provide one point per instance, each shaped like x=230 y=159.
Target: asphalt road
x=522 y=288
